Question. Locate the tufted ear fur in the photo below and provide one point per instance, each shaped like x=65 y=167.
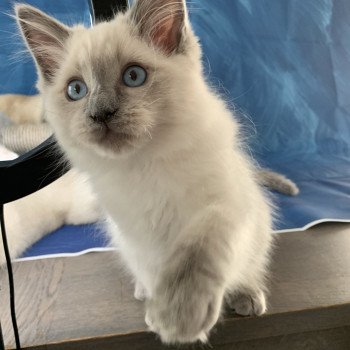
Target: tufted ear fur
x=45 y=37
x=162 y=23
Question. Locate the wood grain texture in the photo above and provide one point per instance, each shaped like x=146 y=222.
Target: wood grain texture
x=87 y=302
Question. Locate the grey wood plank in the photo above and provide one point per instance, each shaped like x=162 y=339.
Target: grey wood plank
x=87 y=302
x=330 y=339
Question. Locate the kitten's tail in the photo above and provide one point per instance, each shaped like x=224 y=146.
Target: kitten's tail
x=277 y=182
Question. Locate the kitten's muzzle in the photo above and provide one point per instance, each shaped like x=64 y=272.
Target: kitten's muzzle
x=104 y=116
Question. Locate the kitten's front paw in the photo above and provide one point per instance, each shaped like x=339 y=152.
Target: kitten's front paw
x=248 y=304
x=182 y=317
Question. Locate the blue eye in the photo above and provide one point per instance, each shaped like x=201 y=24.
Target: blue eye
x=76 y=90
x=134 y=76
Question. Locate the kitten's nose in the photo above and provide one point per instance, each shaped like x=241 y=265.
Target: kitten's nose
x=103 y=116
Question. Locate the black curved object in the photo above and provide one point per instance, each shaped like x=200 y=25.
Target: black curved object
x=105 y=9
x=31 y=171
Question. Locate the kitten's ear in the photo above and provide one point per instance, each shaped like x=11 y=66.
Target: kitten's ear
x=45 y=37
x=161 y=22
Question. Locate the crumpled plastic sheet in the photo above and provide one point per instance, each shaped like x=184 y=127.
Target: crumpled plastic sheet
x=284 y=68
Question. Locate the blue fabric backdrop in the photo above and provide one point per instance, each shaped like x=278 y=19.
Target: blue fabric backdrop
x=284 y=67
x=17 y=71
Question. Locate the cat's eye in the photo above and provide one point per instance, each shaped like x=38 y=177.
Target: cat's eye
x=76 y=90
x=134 y=76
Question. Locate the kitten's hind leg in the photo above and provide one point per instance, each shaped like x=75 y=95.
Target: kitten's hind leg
x=248 y=297
x=247 y=303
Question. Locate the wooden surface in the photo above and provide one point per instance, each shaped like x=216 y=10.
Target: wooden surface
x=87 y=302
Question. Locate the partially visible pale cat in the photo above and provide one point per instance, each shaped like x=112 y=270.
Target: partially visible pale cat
x=128 y=103
x=22 y=108
x=68 y=200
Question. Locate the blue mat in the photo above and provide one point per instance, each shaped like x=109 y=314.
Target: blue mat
x=69 y=240
x=285 y=66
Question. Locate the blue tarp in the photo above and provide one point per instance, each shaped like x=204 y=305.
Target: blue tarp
x=69 y=239
x=17 y=70
x=284 y=67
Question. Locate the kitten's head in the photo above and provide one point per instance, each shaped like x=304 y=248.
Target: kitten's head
x=114 y=87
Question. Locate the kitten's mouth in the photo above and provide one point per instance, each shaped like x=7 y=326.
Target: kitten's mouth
x=112 y=138
x=107 y=132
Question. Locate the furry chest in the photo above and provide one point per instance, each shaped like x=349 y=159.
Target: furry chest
x=142 y=209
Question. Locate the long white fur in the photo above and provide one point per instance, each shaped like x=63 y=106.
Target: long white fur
x=69 y=200
x=184 y=206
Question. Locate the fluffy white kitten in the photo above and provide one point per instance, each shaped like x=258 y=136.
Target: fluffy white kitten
x=130 y=106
